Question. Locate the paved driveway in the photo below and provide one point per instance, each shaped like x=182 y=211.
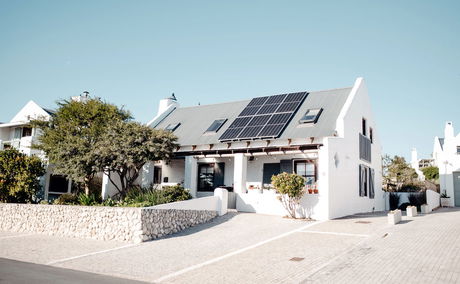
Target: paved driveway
x=251 y=248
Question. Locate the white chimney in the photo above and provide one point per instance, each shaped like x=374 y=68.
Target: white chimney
x=414 y=159
x=449 y=130
x=166 y=106
x=166 y=103
x=82 y=97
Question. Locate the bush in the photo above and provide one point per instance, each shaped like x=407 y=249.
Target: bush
x=291 y=187
x=417 y=199
x=412 y=187
x=143 y=197
x=88 y=200
x=66 y=199
x=175 y=193
x=19 y=176
x=431 y=173
x=403 y=206
x=394 y=201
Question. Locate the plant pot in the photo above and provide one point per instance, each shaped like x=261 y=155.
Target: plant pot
x=310 y=191
x=424 y=209
x=315 y=191
x=445 y=201
x=411 y=211
x=394 y=217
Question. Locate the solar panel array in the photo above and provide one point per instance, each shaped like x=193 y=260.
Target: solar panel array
x=264 y=117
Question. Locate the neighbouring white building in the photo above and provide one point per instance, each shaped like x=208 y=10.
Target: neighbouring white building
x=329 y=137
x=446 y=155
x=418 y=164
x=18 y=134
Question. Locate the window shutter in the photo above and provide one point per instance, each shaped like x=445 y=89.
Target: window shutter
x=361 y=184
x=286 y=166
x=371 y=183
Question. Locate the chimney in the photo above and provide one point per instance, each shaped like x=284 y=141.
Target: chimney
x=449 y=130
x=83 y=97
x=166 y=103
x=414 y=159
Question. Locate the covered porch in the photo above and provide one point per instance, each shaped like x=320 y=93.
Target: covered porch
x=247 y=177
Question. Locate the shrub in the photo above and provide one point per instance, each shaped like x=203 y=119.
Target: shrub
x=394 y=201
x=403 y=206
x=88 y=200
x=431 y=173
x=175 y=193
x=19 y=176
x=412 y=187
x=291 y=187
x=417 y=199
x=66 y=199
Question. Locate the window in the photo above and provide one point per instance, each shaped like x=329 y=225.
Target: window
x=17 y=133
x=26 y=132
x=311 y=116
x=458 y=150
x=366 y=181
x=364 y=130
x=205 y=177
x=58 y=184
x=371 y=135
x=307 y=169
x=173 y=126
x=216 y=125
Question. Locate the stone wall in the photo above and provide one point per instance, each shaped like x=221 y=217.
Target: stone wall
x=102 y=223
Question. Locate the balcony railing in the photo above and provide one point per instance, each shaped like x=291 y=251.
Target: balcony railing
x=365 y=152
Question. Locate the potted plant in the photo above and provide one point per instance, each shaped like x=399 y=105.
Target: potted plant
x=445 y=199
x=310 y=190
x=315 y=190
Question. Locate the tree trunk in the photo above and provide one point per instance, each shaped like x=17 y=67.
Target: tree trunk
x=86 y=184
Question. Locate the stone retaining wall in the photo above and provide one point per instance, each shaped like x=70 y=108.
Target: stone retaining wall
x=102 y=223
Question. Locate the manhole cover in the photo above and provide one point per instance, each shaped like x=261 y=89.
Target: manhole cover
x=363 y=222
x=297 y=259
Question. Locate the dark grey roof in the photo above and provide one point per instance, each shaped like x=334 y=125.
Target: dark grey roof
x=49 y=111
x=195 y=120
x=441 y=142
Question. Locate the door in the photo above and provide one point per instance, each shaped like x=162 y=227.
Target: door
x=456 y=176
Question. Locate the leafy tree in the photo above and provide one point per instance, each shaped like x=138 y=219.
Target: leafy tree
x=19 y=176
x=396 y=173
x=125 y=148
x=431 y=173
x=70 y=137
x=291 y=187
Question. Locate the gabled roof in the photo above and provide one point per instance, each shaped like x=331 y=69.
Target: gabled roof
x=194 y=121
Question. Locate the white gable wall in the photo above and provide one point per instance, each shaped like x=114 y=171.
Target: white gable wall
x=30 y=111
x=343 y=158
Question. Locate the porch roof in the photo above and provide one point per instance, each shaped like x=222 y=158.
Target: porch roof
x=194 y=121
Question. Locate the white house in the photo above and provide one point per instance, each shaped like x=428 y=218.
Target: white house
x=18 y=134
x=446 y=155
x=329 y=137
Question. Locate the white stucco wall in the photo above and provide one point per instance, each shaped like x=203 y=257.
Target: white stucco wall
x=343 y=159
x=447 y=160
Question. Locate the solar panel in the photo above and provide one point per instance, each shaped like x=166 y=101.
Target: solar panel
x=264 y=117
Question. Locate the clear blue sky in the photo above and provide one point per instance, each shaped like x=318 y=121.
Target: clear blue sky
x=133 y=53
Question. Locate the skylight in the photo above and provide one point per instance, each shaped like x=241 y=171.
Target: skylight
x=216 y=125
x=311 y=116
x=173 y=126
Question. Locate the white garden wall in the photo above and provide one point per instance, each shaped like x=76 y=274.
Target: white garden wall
x=432 y=199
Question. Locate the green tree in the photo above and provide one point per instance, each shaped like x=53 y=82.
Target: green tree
x=291 y=187
x=396 y=173
x=431 y=173
x=19 y=176
x=125 y=148
x=70 y=137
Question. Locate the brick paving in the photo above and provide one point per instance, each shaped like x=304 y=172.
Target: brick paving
x=424 y=249
x=251 y=248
